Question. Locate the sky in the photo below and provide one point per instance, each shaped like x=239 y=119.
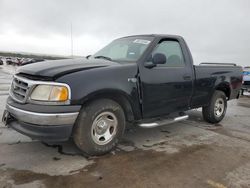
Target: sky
x=215 y=30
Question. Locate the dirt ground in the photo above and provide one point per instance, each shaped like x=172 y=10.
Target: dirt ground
x=191 y=153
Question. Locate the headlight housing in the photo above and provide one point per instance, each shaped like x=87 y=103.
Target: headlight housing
x=50 y=93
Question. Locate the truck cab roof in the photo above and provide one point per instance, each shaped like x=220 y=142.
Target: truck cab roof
x=156 y=36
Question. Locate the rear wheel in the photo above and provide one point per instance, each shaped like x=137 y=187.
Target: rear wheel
x=216 y=110
x=99 y=127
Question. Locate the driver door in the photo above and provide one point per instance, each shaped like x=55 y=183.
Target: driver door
x=166 y=88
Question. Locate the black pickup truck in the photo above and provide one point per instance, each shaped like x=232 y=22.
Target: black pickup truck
x=148 y=80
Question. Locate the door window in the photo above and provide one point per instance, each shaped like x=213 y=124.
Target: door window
x=172 y=51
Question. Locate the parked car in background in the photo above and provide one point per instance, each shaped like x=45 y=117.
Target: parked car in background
x=22 y=61
x=9 y=61
x=1 y=62
x=29 y=61
x=18 y=61
x=246 y=80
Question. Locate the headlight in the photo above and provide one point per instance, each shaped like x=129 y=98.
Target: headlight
x=50 y=93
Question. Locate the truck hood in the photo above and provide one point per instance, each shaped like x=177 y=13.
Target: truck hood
x=56 y=68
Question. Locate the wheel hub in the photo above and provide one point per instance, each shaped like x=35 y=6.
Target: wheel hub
x=101 y=126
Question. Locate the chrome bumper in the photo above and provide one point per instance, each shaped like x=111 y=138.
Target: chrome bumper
x=42 y=118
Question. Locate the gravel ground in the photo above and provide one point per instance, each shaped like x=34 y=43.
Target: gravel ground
x=191 y=153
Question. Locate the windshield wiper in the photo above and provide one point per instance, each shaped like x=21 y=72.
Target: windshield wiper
x=103 y=57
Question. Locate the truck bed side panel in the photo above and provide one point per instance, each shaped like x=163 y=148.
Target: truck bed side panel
x=209 y=78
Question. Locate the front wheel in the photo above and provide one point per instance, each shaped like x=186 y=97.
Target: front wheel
x=99 y=127
x=216 y=110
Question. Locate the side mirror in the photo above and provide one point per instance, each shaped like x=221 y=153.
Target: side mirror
x=159 y=58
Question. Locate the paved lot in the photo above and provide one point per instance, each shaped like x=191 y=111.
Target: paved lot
x=191 y=153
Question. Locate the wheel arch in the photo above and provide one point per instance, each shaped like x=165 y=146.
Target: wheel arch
x=130 y=110
x=224 y=87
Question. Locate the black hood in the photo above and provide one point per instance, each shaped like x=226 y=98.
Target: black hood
x=57 y=68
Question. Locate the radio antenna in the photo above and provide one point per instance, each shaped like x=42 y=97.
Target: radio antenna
x=71 y=34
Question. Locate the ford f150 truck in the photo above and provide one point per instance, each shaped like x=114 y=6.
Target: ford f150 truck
x=149 y=80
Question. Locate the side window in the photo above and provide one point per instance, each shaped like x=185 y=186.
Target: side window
x=172 y=51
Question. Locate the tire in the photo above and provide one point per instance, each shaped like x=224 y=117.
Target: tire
x=216 y=110
x=99 y=127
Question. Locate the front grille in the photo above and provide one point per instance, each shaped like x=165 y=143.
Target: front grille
x=19 y=89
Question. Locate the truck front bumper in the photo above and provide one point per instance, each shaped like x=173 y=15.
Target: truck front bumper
x=39 y=125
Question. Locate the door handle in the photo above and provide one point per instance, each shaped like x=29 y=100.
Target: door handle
x=187 y=77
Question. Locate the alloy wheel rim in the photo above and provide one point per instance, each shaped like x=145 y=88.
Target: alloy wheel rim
x=104 y=128
x=219 y=107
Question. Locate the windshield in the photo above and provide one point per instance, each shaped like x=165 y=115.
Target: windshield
x=124 y=49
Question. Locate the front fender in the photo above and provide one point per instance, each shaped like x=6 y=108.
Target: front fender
x=102 y=81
